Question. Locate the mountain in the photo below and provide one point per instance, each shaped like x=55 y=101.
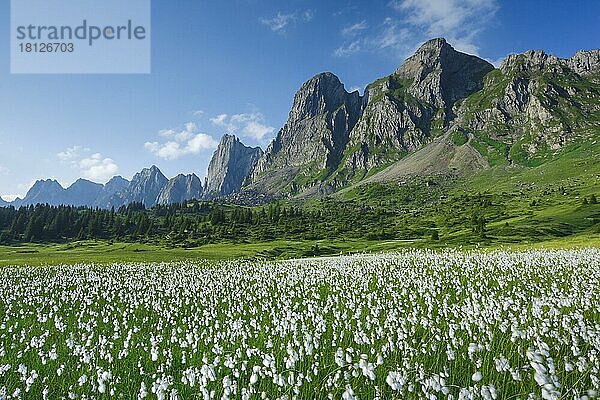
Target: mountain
x=409 y=108
x=47 y=191
x=112 y=187
x=181 y=188
x=311 y=144
x=230 y=166
x=332 y=136
x=82 y=193
x=442 y=112
x=532 y=107
x=4 y=203
x=145 y=186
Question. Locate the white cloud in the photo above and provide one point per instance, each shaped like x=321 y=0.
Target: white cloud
x=459 y=21
x=308 y=15
x=392 y=36
x=281 y=21
x=98 y=168
x=257 y=130
x=355 y=29
x=71 y=153
x=415 y=21
x=251 y=125
x=181 y=142
x=349 y=49
x=198 y=113
x=220 y=120
x=94 y=167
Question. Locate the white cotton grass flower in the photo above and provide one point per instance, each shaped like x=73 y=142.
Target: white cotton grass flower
x=282 y=329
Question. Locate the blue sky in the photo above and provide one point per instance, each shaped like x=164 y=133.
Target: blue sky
x=220 y=66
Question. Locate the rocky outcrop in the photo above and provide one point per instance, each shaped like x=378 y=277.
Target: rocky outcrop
x=440 y=111
x=148 y=187
x=181 y=188
x=533 y=106
x=312 y=142
x=439 y=76
x=408 y=108
x=230 y=166
x=586 y=62
x=112 y=187
x=145 y=186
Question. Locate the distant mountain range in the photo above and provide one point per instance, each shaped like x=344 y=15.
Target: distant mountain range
x=441 y=113
x=229 y=167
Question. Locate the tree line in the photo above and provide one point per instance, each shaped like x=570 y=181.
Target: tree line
x=189 y=222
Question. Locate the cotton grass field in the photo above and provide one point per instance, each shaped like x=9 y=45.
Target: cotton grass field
x=412 y=325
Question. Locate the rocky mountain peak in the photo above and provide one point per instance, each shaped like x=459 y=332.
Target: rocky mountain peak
x=82 y=192
x=116 y=182
x=150 y=176
x=181 y=188
x=532 y=61
x=45 y=191
x=439 y=75
x=586 y=62
x=321 y=94
x=44 y=185
x=145 y=186
x=229 y=167
x=312 y=140
x=428 y=54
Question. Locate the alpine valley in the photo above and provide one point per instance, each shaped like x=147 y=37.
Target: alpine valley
x=446 y=138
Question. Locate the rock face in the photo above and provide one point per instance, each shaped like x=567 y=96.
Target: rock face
x=230 y=166
x=312 y=142
x=533 y=106
x=333 y=136
x=113 y=186
x=82 y=193
x=441 y=112
x=439 y=105
x=408 y=108
x=439 y=75
x=585 y=62
x=145 y=186
x=149 y=187
x=47 y=191
x=181 y=188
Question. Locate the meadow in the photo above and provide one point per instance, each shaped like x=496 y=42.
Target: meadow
x=412 y=324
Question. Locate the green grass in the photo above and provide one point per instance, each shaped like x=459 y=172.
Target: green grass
x=459 y=138
x=100 y=252
x=105 y=253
